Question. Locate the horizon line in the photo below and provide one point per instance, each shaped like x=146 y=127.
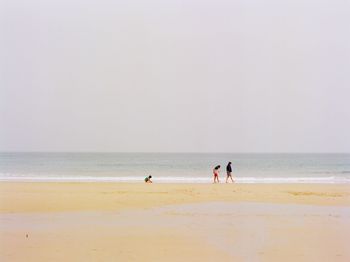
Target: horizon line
x=178 y=152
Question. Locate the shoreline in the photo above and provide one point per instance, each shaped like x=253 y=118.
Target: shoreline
x=180 y=180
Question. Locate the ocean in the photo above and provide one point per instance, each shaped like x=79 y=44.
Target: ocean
x=174 y=167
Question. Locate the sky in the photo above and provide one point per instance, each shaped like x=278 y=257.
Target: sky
x=175 y=76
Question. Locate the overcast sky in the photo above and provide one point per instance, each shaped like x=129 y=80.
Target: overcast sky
x=175 y=76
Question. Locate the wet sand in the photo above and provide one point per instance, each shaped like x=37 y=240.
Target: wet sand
x=173 y=222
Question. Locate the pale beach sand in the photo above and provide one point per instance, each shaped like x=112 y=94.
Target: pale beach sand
x=174 y=222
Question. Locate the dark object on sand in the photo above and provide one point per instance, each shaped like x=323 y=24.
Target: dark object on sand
x=148 y=179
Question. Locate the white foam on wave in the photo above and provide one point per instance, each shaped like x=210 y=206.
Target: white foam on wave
x=177 y=179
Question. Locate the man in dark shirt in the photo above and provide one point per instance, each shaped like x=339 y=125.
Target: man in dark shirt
x=229 y=172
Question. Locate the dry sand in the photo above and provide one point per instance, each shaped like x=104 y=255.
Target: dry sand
x=173 y=222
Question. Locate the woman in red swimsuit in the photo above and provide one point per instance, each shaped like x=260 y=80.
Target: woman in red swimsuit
x=216 y=174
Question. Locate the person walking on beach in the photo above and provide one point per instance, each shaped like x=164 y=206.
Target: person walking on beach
x=148 y=179
x=216 y=174
x=229 y=172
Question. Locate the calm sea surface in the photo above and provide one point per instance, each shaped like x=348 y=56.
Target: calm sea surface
x=175 y=167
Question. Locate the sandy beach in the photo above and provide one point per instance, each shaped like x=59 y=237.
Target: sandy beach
x=174 y=222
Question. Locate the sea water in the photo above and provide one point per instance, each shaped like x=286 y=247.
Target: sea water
x=175 y=167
